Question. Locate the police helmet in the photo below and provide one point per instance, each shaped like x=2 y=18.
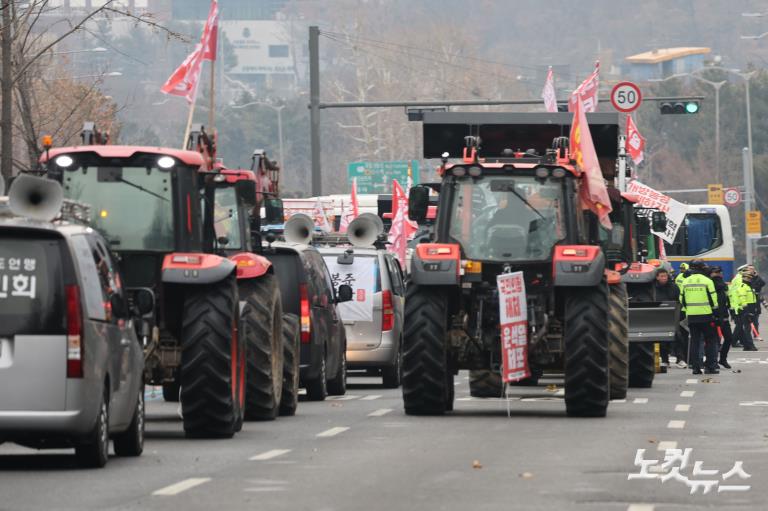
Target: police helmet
x=698 y=264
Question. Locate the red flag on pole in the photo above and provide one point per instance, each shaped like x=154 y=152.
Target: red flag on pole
x=402 y=228
x=593 y=192
x=548 y=93
x=350 y=212
x=587 y=91
x=635 y=141
x=211 y=32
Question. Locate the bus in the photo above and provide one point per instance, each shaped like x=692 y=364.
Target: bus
x=704 y=234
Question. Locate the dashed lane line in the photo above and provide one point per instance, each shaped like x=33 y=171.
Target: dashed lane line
x=274 y=453
x=640 y=400
x=380 y=412
x=332 y=432
x=666 y=444
x=687 y=393
x=371 y=397
x=347 y=397
x=682 y=408
x=181 y=486
x=674 y=424
x=641 y=507
x=691 y=381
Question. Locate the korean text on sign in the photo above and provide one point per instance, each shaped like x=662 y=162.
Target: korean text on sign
x=16 y=280
x=513 y=314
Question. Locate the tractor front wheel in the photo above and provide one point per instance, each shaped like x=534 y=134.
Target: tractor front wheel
x=642 y=366
x=618 y=333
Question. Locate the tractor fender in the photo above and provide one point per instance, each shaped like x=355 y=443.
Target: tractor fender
x=250 y=265
x=578 y=265
x=640 y=273
x=436 y=264
x=195 y=268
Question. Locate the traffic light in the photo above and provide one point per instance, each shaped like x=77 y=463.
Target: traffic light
x=679 y=107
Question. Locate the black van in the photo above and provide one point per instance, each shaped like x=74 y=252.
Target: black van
x=308 y=292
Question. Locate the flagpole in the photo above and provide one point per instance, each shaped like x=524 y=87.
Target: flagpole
x=189 y=120
x=212 y=111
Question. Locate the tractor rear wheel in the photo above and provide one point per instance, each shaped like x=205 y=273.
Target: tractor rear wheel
x=263 y=331
x=586 y=351
x=425 y=354
x=485 y=383
x=618 y=333
x=642 y=367
x=291 y=345
x=212 y=361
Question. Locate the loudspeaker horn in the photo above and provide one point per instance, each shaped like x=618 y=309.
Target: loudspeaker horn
x=364 y=230
x=299 y=229
x=37 y=198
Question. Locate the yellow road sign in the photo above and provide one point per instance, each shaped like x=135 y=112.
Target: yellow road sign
x=715 y=194
x=753 y=224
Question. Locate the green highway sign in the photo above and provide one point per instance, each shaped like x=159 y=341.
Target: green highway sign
x=376 y=176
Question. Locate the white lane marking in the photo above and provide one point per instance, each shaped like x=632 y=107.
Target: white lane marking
x=666 y=444
x=560 y=392
x=274 y=453
x=676 y=424
x=265 y=489
x=181 y=486
x=380 y=412
x=618 y=400
x=348 y=397
x=687 y=393
x=641 y=507
x=753 y=403
x=691 y=381
x=371 y=397
x=640 y=400
x=457 y=383
x=682 y=408
x=332 y=432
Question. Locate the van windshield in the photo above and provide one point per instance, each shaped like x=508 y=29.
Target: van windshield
x=31 y=286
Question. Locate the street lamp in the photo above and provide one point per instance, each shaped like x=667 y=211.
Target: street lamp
x=279 y=110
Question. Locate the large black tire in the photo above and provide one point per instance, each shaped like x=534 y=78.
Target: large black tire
x=585 y=341
x=211 y=353
x=391 y=376
x=291 y=345
x=317 y=389
x=642 y=367
x=485 y=383
x=263 y=325
x=93 y=451
x=171 y=391
x=425 y=360
x=337 y=386
x=131 y=441
x=618 y=343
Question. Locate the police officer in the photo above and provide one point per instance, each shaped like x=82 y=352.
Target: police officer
x=743 y=301
x=723 y=305
x=681 y=275
x=681 y=334
x=699 y=298
x=666 y=291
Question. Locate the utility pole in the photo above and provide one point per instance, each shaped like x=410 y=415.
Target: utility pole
x=314 y=107
x=6 y=90
x=749 y=191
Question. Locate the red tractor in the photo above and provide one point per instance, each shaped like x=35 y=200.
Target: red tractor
x=503 y=210
x=162 y=210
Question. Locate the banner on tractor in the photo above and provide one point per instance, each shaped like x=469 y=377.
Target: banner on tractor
x=513 y=314
x=647 y=197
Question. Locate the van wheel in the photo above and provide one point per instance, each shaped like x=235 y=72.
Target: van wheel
x=317 y=389
x=94 y=451
x=391 y=375
x=131 y=441
x=291 y=346
x=338 y=385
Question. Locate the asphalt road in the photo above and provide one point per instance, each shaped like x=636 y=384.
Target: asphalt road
x=362 y=453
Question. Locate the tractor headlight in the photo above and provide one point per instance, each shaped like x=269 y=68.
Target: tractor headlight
x=64 y=161
x=165 y=162
x=542 y=172
x=459 y=171
x=475 y=171
x=558 y=172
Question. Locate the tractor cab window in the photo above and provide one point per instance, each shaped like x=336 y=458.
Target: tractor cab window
x=502 y=218
x=226 y=218
x=699 y=233
x=131 y=206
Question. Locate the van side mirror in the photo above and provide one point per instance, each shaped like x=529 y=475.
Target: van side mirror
x=273 y=211
x=659 y=221
x=117 y=304
x=143 y=300
x=247 y=190
x=418 y=203
x=344 y=294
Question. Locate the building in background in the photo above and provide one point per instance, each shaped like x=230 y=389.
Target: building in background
x=661 y=63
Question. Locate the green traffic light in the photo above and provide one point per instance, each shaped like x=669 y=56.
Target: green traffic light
x=691 y=107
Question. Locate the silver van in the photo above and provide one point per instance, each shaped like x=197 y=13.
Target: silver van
x=374 y=324
x=71 y=366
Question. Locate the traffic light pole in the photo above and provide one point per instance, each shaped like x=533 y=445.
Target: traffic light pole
x=749 y=190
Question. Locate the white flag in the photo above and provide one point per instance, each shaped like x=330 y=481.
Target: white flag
x=548 y=93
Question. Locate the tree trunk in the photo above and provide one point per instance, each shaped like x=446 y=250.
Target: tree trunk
x=6 y=90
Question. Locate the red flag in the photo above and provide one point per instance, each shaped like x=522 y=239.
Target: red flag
x=548 y=93
x=349 y=213
x=183 y=81
x=587 y=91
x=635 y=141
x=594 y=194
x=211 y=32
x=402 y=228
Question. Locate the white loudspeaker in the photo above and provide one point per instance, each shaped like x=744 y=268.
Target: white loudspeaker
x=299 y=229
x=364 y=230
x=35 y=197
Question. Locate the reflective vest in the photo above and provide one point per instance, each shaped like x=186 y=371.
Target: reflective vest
x=679 y=280
x=744 y=295
x=698 y=295
x=733 y=294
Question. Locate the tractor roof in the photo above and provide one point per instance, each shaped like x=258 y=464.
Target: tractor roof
x=191 y=158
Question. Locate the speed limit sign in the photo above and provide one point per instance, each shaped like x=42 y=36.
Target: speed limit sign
x=626 y=97
x=731 y=197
